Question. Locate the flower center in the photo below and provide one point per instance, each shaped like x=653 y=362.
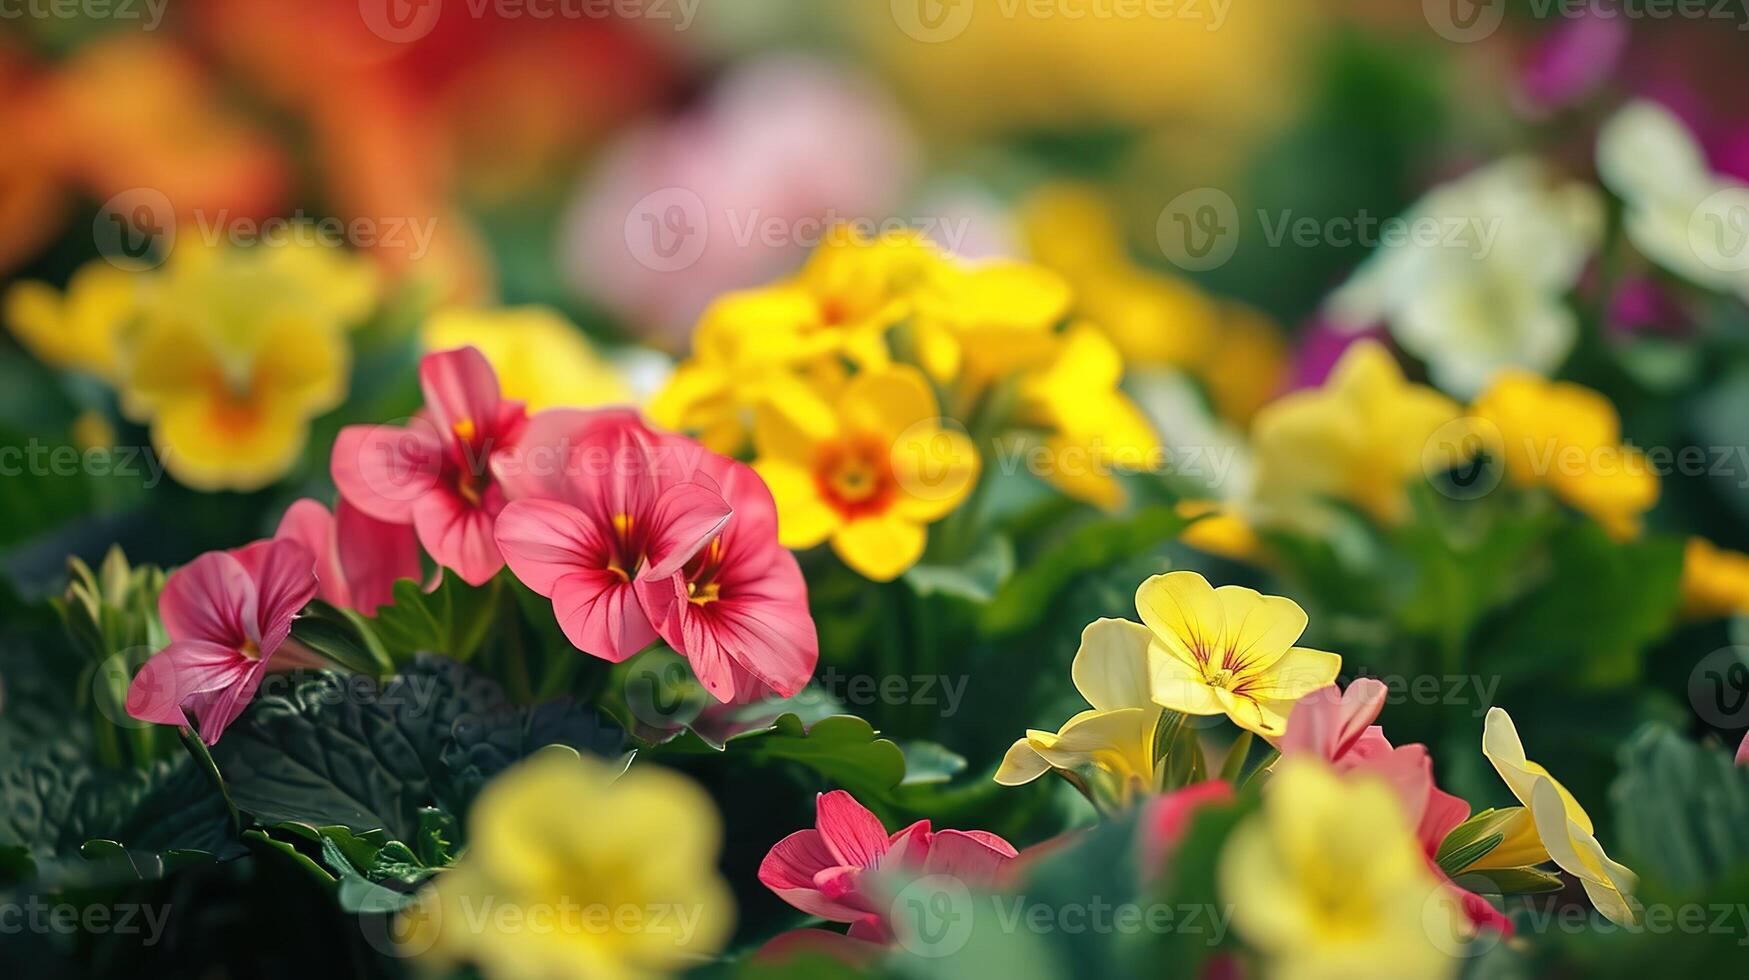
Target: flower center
x=249 y=650
x=1221 y=678
x=855 y=475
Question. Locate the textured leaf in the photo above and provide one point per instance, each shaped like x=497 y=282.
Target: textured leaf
x=1682 y=810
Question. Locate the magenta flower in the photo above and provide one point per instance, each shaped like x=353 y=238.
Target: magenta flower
x=602 y=504
x=738 y=609
x=824 y=871
x=228 y=614
x=434 y=473
x=358 y=558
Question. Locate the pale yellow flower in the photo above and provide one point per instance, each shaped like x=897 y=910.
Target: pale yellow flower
x=1360 y=438
x=1110 y=747
x=1561 y=825
x=1328 y=881
x=573 y=870
x=80 y=328
x=1229 y=651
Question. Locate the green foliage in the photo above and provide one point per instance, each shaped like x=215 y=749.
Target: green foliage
x=1681 y=810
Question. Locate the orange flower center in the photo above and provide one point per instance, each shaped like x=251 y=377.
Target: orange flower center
x=855 y=475
x=249 y=650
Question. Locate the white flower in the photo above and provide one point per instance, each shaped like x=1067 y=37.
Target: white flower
x=1679 y=213
x=1473 y=278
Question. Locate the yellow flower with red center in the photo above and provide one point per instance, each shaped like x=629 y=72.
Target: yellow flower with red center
x=1360 y=438
x=866 y=468
x=235 y=350
x=1229 y=651
x=841 y=304
x=1567 y=438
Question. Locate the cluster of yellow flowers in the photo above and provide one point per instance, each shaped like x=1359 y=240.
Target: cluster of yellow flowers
x=866 y=387
x=226 y=352
x=229 y=352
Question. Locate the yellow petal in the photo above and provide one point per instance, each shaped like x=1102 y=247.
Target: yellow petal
x=1175 y=684
x=1184 y=613
x=1296 y=674
x=1111 y=668
x=879 y=547
x=1022 y=764
x=936 y=469
x=804 y=519
x=889 y=403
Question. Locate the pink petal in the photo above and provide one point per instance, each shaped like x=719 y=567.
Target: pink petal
x=374 y=555
x=308 y=523
x=457 y=535
x=178 y=672
x=1167 y=818
x=1743 y=750
x=853 y=833
x=212 y=598
x=215 y=710
x=685 y=517
x=558 y=448
x=285 y=583
x=599 y=613
x=460 y=390
x=1328 y=721
x=769 y=635
x=1444 y=812
x=381 y=469
x=789 y=869
x=974 y=857
x=545 y=540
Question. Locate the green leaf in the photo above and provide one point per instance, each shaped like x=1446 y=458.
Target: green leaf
x=1458 y=858
x=1461 y=841
x=331 y=633
x=842 y=748
x=453 y=619
x=1681 y=810
x=1508 y=881
x=927 y=762
x=339 y=750
x=976 y=580
x=1026 y=598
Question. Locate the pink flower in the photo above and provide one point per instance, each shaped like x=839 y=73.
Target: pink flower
x=434 y=472
x=824 y=871
x=602 y=504
x=738 y=609
x=1743 y=751
x=1167 y=819
x=358 y=558
x=1337 y=726
x=227 y=614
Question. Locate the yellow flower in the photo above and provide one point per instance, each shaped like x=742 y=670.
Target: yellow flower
x=866 y=469
x=978 y=324
x=1221 y=530
x=235 y=351
x=1111 y=747
x=80 y=328
x=1715 y=581
x=1328 y=881
x=1155 y=319
x=1567 y=437
x=540 y=358
x=1359 y=438
x=1248 y=365
x=849 y=293
x=1092 y=426
x=1229 y=651
x=572 y=872
x=1561 y=824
